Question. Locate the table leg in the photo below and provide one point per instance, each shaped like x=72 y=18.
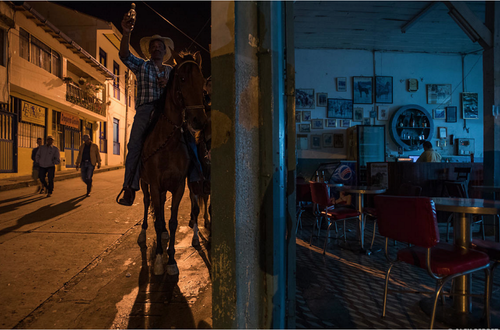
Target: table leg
x=361 y=222
x=463 y=237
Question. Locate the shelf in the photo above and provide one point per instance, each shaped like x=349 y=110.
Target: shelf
x=409 y=127
x=405 y=113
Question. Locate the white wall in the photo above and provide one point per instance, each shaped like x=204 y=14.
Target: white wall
x=318 y=69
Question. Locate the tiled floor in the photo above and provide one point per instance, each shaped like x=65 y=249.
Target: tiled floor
x=344 y=288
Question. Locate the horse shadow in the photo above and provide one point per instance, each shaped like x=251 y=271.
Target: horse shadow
x=44 y=213
x=159 y=303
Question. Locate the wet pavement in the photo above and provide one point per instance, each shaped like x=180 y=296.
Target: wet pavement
x=73 y=262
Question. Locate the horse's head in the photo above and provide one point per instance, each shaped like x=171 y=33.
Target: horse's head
x=188 y=83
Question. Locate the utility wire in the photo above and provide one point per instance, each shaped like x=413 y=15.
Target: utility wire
x=177 y=28
x=199 y=32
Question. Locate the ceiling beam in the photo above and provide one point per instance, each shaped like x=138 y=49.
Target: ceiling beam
x=418 y=17
x=470 y=23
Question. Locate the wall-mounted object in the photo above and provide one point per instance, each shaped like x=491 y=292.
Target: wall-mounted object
x=317 y=124
x=383 y=89
x=411 y=125
x=439 y=94
x=341 y=84
x=321 y=99
x=339 y=108
x=451 y=139
x=362 y=90
x=315 y=141
x=438 y=114
x=442 y=132
x=304 y=98
x=451 y=114
x=465 y=146
x=327 y=140
x=469 y=105
x=383 y=112
x=412 y=85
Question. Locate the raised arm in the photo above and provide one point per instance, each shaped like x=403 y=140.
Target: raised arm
x=127 y=27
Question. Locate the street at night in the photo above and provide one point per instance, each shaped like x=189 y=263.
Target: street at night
x=73 y=262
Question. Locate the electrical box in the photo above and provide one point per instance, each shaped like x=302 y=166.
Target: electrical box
x=465 y=146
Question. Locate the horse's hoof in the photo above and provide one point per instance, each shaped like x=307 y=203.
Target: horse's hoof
x=158 y=268
x=172 y=269
x=142 y=237
x=195 y=242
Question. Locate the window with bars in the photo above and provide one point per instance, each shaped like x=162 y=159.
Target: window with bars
x=28 y=133
x=116 y=83
x=57 y=130
x=35 y=51
x=103 y=141
x=116 y=136
x=103 y=57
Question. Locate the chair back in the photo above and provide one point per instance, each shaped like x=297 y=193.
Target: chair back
x=408 y=219
x=407 y=189
x=303 y=192
x=456 y=189
x=463 y=173
x=319 y=193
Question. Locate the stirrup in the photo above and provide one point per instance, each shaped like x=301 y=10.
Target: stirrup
x=119 y=194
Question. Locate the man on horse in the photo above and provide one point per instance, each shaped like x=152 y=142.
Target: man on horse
x=152 y=77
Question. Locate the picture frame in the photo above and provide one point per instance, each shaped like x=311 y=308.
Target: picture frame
x=439 y=94
x=451 y=114
x=317 y=124
x=305 y=128
x=306 y=115
x=358 y=114
x=362 y=90
x=383 y=89
x=442 y=132
x=338 y=140
x=345 y=123
x=315 y=141
x=367 y=121
x=302 y=142
x=339 y=108
x=470 y=108
x=341 y=84
x=438 y=114
x=327 y=140
x=382 y=113
x=321 y=99
x=298 y=116
x=304 y=98
x=330 y=122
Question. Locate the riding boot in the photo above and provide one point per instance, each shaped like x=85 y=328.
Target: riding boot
x=128 y=197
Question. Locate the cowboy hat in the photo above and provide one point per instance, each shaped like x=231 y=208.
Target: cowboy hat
x=147 y=40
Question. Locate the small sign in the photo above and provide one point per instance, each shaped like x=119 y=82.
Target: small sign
x=70 y=120
x=32 y=113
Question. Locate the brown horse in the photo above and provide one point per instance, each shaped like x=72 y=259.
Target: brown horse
x=165 y=155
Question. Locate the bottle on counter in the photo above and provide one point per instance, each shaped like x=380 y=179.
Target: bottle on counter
x=316 y=176
x=412 y=121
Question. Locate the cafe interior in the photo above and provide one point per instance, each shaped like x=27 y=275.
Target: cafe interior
x=384 y=240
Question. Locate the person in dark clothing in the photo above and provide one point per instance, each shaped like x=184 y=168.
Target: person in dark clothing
x=36 y=167
x=88 y=158
x=48 y=156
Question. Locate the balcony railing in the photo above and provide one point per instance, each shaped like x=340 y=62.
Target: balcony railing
x=78 y=96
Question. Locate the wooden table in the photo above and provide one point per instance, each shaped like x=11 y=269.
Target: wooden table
x=360 y=191
x=459 y=314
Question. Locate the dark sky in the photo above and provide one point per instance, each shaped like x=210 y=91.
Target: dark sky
x=189 y=16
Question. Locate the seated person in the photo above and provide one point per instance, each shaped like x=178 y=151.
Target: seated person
x=429 y=155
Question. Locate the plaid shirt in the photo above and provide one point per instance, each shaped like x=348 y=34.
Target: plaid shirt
x=147 y=73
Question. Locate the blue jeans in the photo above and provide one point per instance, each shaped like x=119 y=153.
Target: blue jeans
x=135 y=143
x=42 y=172
x=87 y=170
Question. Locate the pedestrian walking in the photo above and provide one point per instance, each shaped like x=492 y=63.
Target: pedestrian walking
x=35 y=169
x=47 y=158
x=88 y=158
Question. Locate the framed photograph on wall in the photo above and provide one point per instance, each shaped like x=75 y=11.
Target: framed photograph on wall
x=358 y=113
x=470 y=108
x=298 y=116
x=327 y=140
x=338 y=140
x=331 y=122
x=438 y=114
x=339 y=108
x=321 y=99
x=442 y=132
x=304 y=98
x=306 y=115
x=341 y=84
x=383 y=89
x=315 y=141
x=305 y=128
x=302 y=142
x=367 y=121
x=362 y=90
x=451 y=114
x=383 y=113
x=346 y=123
x=439 y=94
x=317 y=124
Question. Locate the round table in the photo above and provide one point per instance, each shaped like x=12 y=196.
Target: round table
x=360 y=191
x=459 y=314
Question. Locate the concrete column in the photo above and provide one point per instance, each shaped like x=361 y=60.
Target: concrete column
x=491 y=83
x=249 y=165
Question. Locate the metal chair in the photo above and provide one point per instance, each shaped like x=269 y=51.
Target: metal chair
x=492 y=249
x=458 y=189
x=320 y=196
x=413 y=220
x=303 y=196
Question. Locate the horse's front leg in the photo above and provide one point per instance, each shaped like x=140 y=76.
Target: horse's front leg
x=195 y=212
x=204 y=200
x=158 y=199
x=172 y=268
x=145 y=190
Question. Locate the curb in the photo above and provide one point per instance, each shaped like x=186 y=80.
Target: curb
x=30 y=182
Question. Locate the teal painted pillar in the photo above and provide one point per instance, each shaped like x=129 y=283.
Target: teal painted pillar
x=250 y=159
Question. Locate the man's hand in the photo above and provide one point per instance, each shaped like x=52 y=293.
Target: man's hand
x=98 y=166
x=127 y=24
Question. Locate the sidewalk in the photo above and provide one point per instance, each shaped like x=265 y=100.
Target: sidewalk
x=26 y=180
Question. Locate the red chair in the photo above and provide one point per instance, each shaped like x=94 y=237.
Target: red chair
x=413 y=220
x=303 y=196
x=492 y=249
x=320 y=196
